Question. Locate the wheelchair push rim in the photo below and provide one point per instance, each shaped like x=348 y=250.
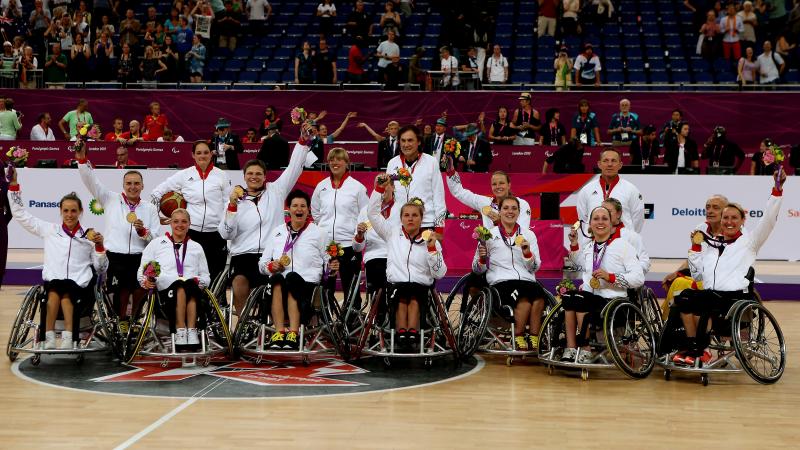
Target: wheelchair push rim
x=759 y=343
x=630 y=339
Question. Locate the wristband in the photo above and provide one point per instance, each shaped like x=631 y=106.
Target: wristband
x=482 y=260
x=380 y=189
x=83 y=160
x=431 y=248
x=439 y=230
x=271 y=267
x=777 y=192
x=527 y=254
x=142 y=232
x=697 y=248
x=359 y=240
x=99 y=248
x=612 y=278
x=13 y=187
x=573 y=248
x=232 y=207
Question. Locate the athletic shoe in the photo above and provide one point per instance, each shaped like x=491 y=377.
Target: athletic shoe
x=401 y=340
x=276 y=341
x=689 y=360
x=569 y=354
x=192 y=338
x=534 y=342
x=679 y=358
x=413 y=339
x=123 y=326
x=585 y=357
x=50 y=340
x=706 y=357
x=66 y=340
x=522 y=343
x=290 y=343
x=180 y=336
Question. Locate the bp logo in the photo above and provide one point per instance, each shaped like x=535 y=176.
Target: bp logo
x=238 y=379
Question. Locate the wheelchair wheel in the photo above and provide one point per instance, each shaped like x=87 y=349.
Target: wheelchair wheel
x=629 y=338
x=473 y=323
x=651 y=309
x=109 y=324
x=444 y=323
x=249 y=319
x=369 y=322
x=217 y=322
x=219 y=286
x=21 y=327
x=334 y=320
x=553 y=335
x=139 y=327
x=759 y=344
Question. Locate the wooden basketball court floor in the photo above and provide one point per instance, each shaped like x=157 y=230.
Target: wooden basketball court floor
x=503 y=407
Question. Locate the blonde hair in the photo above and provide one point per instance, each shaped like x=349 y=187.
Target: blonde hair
x=339 y=153
x=415 y=202
x=181 y=211
x=737 y=207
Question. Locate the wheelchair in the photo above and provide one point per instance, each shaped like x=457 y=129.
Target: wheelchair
x=315 y=336
x=94 y=313
x=149 y=332
x=746 y=337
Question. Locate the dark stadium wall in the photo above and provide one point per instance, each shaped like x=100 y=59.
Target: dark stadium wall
x=748 y=117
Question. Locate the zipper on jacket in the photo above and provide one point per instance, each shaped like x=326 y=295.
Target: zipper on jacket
x=203 y=223
x=69 y=255
x=408 y=259
x=258 y=211
x=333 y=230
x=514 y=266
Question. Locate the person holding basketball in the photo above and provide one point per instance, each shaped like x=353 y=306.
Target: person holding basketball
x=130 y=225
x=206 y=190
x=183 y=276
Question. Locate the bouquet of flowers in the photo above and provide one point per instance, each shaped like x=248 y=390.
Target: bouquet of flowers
x=94 y=132
x=564 y=286
x=481 y=234
x=334 y=249
x=402 y=175
x=298 y=115
x=84 y=130
x=18 y=156
x=452 y=148
x=774 y=155
x=152 y=270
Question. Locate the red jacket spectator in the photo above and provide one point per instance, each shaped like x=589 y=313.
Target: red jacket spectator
x=154 y=126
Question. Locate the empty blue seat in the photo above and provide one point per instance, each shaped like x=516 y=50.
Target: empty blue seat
x=249 y=77
x=637 y=77
x=255 y=65
x=234 y=65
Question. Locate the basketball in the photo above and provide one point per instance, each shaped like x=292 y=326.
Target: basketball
x=170 y=202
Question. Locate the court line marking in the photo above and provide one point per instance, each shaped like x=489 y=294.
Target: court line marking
x=480 y=365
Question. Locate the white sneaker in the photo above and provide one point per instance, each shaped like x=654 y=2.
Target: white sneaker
x=180 y=336
x=50 y=340
x=569 y=354
x=66 y=340
x=585 y=357
x=192 y=338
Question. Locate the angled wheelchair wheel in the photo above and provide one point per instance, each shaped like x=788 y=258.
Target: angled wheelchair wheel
x=23 y=323
x=629 y=338
x=249 y=323
x=456 y=291
x=334 y=320
x=474 y=321
x=109 y=323
x=217 y=322
x=552 y=336
x=369 y=323
x=139 y=326
x=219 y=286
x=444 y=324
x=651 y=309
x=759 y=344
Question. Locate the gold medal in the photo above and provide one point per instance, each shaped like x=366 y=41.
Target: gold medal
x=368 y=225
x=181 y=278
x=285 y=260
x=519 y=240
x=594 y=283
x=426 y=235
x=576 y=226
x=239 y=191
x=91 y=234
x=131 y=217
x=486 y=210
x=697 y=237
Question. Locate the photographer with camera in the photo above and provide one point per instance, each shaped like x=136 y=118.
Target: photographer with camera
x=721 y=152
x=671 y=128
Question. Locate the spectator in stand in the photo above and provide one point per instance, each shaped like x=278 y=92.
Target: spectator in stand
x=449 y=68
x=435 y=144
x=567 y=159
x=39 y=22
x=587 y=68
x=80 y=53
x=55 y=69
x=388 y=146
x=227 y=25
x=497 y=67
x=183 y=38
x=644 y=149
x=172 y=22
x=155 y=122
x=270 y=116
x=553 y=132
x=122 y=161
x=115 y=135
x=777 y=16
x=500 y=132
x=681 y=152
x=325 y=63
x=304 y=65
x=151 y=66
x=226 y=146
x=359 y=22
x=569 y=19
x=472 y=70
x=760 y=8
x=102 y=8
x=770 y=66
x=75 y=119
x=710 y=48
x=42 y=131
x=105 y=26
x=526 y=121
x=720 y=152
x=385 y=52
x=747 y=69
x=355 y=61
x=406 y=8
x=731 y=26
x=274 y=149
x=393 y=75
x=671 y=127
x=27 y=64
x=9 y=120
x=103 y=54
x=197 y=59
x=476 y=154
x=169 y=136
x=134 y=134
x=129 y=29
x=126 y=65
x=390 y=20
x=584 y=125
x=331 y=138
x=258 y=12
x=251 y=136
x=624 y=126
x=563 y=67
x=785 y=46
x=750 y=22
x=173 y=60
x=757 y=166
x=548 y=10
x=416 y=73
x=326 y=11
